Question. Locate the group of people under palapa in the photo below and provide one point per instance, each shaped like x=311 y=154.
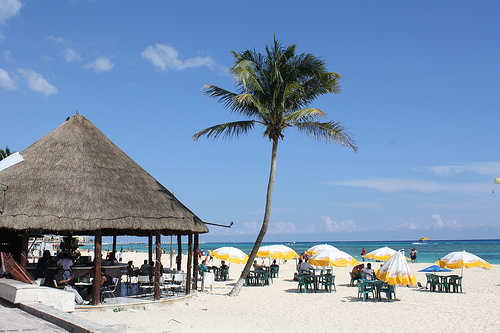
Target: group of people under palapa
x=64 y=279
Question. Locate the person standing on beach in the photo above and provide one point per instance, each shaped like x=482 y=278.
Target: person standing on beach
x=363 y=253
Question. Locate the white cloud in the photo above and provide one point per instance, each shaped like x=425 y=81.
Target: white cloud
x=38 y=83
x=8 y=56
x=166 y=57
x=58 y=40
x=102 y=64
x=480 y=168
x=440 y=224
x=8 y=9
x=344 y=226
x=392 y=185
x=71 y=55
x=6 y=81
x=283 y=228
x=405 y=226
x=395 y=185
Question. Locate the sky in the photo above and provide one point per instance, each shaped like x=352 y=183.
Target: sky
x=420 y=95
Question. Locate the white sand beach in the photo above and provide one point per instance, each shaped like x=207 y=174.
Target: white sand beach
x=279 y=308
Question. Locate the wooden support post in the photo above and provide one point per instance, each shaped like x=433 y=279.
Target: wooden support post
x=179 y=252
x=171 y=249
x=24 y=248
x=195 y=260
x=150 y=249
x=96 y=287
x=189 y=263
x=157 y=266
x=114 y=245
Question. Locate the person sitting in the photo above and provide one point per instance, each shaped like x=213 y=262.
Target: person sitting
x=66 y=263
x=43 y=265
x=369 y=271
x=356 y=272
x=256 y=266
x=130 y=266
x=223 y=266
x=62 y=282
x=203 y=267
x=305 y=266
x=145 y=268
x=274 y=264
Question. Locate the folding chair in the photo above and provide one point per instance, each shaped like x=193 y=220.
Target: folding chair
x=110 y=290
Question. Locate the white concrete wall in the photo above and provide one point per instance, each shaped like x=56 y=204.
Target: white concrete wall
x=17 y=292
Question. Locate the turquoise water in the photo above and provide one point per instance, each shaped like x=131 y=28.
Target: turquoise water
x=429 y=252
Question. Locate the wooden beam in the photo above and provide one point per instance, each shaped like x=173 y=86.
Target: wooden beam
x=195 y=260
x=189 y=263
x=150 y=248
x=157 y=267
x=179 y=252
x=96 y=287
x=24 y=249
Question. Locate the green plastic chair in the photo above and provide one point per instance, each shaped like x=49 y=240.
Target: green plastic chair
x=328 y=281
x=364 y=289
x=435 y=284
x=275 y=271
x=305 y=282
x=455 y=284
x=388 y=290
x=224 y=273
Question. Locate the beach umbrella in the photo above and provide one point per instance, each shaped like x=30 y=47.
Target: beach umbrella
x=383 y=253
x=277 y=251
x=435 y=269
x=231 y=254
x=396 y=271
x=332 y=258
x=321 y=247
x=462 y=259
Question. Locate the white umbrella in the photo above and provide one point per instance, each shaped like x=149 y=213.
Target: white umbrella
x=321 y=247
x=332 y=258
x=396 y=271
x=277 y=251
x=383 y=253
x=230 y=254
x=462 y=259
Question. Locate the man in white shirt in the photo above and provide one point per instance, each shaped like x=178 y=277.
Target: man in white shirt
x=368 y=270
x=66 y=263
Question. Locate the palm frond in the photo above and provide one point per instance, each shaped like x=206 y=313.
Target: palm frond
x=329 y=132
x=227 y=130
x=304 y=115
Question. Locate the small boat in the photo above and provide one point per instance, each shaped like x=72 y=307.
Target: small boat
x=422 y=240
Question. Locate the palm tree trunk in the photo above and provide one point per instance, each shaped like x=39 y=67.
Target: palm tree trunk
x=265 y=224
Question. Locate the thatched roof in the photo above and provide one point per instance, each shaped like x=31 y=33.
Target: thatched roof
x=76 y=179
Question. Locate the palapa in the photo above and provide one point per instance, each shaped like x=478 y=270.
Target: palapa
x=74 y=179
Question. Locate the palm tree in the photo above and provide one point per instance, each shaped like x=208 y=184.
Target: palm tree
x=4 y=153
x=274 y=91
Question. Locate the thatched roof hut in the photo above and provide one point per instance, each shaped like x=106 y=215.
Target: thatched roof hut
x=74 y=179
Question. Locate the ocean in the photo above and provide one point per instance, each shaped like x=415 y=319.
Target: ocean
x=428 y=252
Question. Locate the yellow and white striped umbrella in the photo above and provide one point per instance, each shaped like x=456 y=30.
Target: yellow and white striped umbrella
x=231 y=254
x=321 y=247
x=384 y=253
x=277 y=251
x=396 y=271
x=462 y=259
x=332 y=258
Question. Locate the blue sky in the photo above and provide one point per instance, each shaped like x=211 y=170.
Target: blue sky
x=420 y=94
